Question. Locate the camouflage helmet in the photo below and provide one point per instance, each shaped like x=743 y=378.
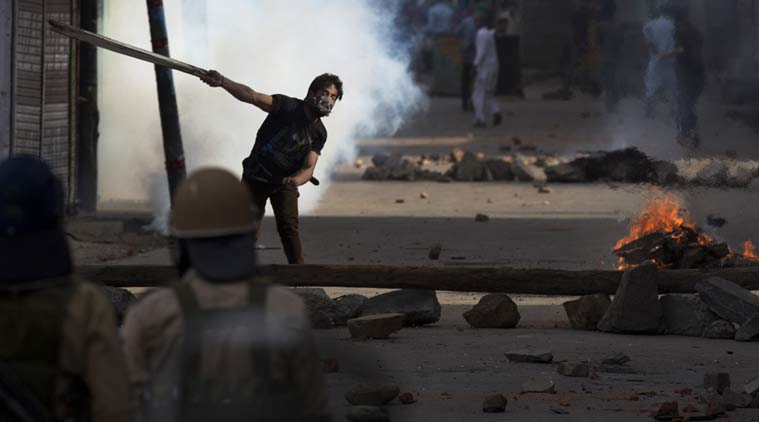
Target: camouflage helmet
x=210 y=203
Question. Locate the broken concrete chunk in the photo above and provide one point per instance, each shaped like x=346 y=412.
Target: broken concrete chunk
x=526 y=172
x=367 y=414
x=420 y=307
x=469 y=169
x=685 y=315
x=539 y=385
x=749 y=330
x=581 y=370
x=349 y=306
x=752 y=386
x=618 y=358
x=371 y=394
x=322 y=310
x=493 y=311
x=728 y=300
x=636 y=307
x=565 y=173
x=495 y=404
x=375 y=326
x=500 y=170
x=720 y=329
x=481 y=218
x=717 y=381
x=735 y=399
x=585 y=313
x=530 y=356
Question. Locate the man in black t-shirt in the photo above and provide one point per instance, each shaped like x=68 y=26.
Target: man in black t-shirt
x=287 y=147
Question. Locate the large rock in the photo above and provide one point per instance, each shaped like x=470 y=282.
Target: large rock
x=469 y=169
x=405 y=171
x=495 y=404
x=728 y=300
x=720 y=329
x=749 y=330
x=636 y=307
x=493 y=311
x=349 y=307
x=367 y=414
x=714 y=174
x=685 y=315
x=565 y=173
x=419 y=306
x=500 y=169
x=322 y=310
x=530 y=356
x=375 y=326
x=120 y=299
x=586 y=312
x=372 y=394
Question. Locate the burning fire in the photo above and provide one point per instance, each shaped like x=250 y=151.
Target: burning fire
x=749 y=251
x=665 y=214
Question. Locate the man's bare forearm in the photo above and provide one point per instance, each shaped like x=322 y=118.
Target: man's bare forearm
x=242 y=92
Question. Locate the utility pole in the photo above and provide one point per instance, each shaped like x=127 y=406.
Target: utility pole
x=87 y=142
x=167 y=99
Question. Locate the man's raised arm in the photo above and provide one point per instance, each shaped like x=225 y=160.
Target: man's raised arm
x=242 y=92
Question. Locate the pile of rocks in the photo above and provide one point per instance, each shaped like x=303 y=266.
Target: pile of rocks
x=720 y=310
x=524 y=163
x=381 y=313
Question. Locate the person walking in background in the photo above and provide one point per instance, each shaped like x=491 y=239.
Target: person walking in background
x=691 y=77
x=486 y=80
x=468 y=34
x=660 y=79
x=611 y=38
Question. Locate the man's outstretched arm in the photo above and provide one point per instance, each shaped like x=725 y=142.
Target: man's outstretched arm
x=242 y=92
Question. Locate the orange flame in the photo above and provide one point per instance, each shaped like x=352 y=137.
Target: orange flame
x=663 y=213
x=749 y=251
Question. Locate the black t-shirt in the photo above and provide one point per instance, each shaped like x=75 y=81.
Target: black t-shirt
x=283 y=141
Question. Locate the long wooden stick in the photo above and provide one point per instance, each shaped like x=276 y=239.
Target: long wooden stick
x=502 y=280
x=125 y=49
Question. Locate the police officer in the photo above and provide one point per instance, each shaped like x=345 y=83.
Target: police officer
x=60 y=355
x=222 y=345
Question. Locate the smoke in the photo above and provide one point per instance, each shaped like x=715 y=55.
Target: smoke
x=272 y=46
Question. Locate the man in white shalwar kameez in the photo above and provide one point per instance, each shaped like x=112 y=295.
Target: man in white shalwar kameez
x=486 y=65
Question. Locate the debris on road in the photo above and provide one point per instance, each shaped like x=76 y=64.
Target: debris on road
x=586 y=312
x=435 y=251
x=495 y=404
x=530 y=356
x=375 y=326
x=493 y=311
x=420 y=307
x=481 y=218
x=372 y=394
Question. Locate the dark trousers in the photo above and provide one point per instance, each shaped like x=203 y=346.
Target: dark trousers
x=284 y=201
x=467 y=79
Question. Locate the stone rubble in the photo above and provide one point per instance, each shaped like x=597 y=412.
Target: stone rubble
x=493 y=311
x=379 y=326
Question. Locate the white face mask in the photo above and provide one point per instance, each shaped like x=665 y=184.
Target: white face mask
x=322 y=105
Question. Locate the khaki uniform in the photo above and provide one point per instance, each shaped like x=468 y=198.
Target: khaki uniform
x=89 y=349
x=153 y=334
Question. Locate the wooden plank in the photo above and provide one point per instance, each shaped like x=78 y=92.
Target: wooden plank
x=487 y=280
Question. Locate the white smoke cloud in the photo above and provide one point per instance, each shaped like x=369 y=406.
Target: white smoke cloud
x=272 y=46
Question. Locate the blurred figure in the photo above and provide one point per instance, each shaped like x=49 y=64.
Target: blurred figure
x=468 y=34
x=660 y=81
x=486 y=81
x=439 y=19
x=691 y=77
x=60 y=355
x=221 y=345
x=611 y=38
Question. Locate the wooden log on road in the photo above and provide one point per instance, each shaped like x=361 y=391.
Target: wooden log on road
x=468 y=279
